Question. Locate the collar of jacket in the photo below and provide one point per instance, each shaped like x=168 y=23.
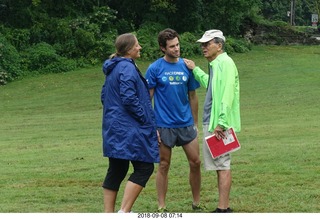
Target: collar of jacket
x=110 y=64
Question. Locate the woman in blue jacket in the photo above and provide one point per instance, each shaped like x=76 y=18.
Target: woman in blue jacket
x=128 y=125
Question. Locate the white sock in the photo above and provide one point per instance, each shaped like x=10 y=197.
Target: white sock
x=121 y=211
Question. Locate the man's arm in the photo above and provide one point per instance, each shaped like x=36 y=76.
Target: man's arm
x=151 y=92
x=193 y=99
x=198 y=73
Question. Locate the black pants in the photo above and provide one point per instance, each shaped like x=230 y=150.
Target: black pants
x=118 y=170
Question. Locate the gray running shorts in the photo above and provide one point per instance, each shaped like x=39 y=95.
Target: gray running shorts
x=177 y=136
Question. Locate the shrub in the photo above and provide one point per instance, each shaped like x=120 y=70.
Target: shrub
x=3 y=77
x=103 y=48
x=84 y=41
x=278 y=23
x=148 y=39
x=104 y=17
x=63 y=33
x=228 y=48
x=40 y=55
x=43 y=58
x=19 y=38
x=93 y=35
x=237 y=45
x=189 y=47
x=10 y=61
x=124 y=26
x=61 y=65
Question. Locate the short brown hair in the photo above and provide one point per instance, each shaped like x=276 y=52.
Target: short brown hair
x=166 y=34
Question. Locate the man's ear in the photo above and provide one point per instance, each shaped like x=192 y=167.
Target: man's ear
x=220 y=47
x=162 y=49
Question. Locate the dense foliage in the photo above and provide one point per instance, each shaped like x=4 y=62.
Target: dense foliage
x=40 y=36
x=9 y=61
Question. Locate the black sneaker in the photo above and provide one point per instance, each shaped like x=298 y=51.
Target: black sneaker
x=218 y=210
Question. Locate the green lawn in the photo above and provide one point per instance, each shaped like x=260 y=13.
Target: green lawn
x=51 y=153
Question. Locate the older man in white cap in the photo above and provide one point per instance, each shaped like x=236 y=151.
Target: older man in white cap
x=221 y=106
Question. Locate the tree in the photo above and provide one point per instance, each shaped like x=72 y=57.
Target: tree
x=228 y=15
x=277 y=10
x=131 y=11
x=313 y=6
x=188 y=17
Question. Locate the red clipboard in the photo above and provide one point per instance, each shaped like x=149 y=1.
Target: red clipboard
x=224 y=146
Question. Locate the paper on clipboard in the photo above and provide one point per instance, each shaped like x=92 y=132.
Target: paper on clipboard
x=224 y=146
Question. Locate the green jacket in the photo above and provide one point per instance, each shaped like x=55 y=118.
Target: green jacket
x=225 y=110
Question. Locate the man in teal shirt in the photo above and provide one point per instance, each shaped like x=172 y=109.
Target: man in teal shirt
x=221 y=106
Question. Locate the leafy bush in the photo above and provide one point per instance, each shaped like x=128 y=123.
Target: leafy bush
x=280 y=24
x=3 y=77
x=43 y=58
x=228 y=48
x=19 y=38
x=124 y=26
x=62 y=33
x=189 y=47
x=148 y=39
x=237 y=45
x=61 y=65
x=103 y=48
x=85 y=41
x=94 y=35
x=40 y=55
x=103 y=17
x=42 y=31
x=10 y=61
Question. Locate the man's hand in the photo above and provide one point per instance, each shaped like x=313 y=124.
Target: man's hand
x=159 y=138
x=219 y=132
x=189 y=63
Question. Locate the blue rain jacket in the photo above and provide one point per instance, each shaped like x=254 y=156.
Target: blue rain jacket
x=128 y=122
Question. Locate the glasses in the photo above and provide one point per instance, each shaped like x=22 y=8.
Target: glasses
x=206 y=44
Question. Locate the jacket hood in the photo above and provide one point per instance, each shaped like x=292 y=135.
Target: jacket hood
x=109 y=64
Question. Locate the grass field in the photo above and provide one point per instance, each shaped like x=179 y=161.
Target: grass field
x=51 y=153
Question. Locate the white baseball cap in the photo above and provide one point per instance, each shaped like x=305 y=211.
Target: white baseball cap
x=210 y=34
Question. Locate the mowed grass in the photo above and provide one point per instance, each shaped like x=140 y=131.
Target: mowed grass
x=51 y=153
